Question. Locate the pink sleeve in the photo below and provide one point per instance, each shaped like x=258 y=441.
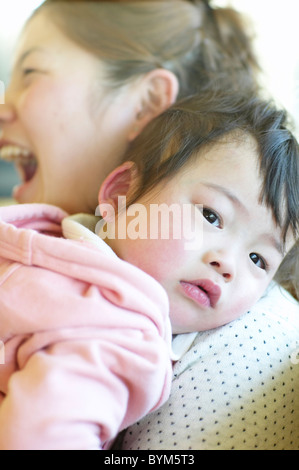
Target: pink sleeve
x=78 y=393
x=87 y=342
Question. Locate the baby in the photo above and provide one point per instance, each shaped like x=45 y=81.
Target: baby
x=209 y=210
x=234 y=162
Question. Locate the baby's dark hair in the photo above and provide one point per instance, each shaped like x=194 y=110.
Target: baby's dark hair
x=184 y=130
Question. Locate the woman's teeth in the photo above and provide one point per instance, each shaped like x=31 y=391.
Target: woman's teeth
x=24 y=160
x=12 y=152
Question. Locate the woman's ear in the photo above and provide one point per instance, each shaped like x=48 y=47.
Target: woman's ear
x=159 y=90
x=118 y=183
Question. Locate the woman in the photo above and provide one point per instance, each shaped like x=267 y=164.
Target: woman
x=87 y=78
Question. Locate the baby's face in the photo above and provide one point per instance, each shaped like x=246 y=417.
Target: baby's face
x=224 y=247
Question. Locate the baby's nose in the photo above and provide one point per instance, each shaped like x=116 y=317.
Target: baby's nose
x=222 y=263
x=223 y=269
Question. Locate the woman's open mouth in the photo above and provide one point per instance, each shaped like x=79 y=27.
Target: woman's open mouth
x=24 y=160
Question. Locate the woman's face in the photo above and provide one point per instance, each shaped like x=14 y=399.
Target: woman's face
x=59 y=126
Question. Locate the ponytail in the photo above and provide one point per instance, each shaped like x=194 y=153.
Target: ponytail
x=226 y=51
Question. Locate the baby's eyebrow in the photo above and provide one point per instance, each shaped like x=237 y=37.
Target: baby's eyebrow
x=278 y=245
x=221 y=189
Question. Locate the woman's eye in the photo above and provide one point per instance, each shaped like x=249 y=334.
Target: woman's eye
x=212 y=217
x=258 y=261
x=28 y=71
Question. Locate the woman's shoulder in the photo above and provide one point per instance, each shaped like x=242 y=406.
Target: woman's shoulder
x=272 y=325
x=235 y=388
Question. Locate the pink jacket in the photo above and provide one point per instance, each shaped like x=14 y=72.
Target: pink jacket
x=86 y=337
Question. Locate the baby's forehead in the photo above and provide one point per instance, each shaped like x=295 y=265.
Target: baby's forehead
x=239 y=139
x=230 y=168
x=276 y=181
x=231 y=153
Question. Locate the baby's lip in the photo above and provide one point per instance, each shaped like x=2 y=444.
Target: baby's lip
x=212 y=290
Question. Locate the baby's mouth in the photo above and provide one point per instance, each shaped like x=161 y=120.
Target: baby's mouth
x=202 y=291
x=24 y=160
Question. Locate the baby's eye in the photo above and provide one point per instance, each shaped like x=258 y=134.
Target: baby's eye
x=258 y=261
x=212 y=217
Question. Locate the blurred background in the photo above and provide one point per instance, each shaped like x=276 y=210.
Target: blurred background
x=274 y=24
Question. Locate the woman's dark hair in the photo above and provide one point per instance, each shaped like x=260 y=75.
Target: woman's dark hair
x=195 y=41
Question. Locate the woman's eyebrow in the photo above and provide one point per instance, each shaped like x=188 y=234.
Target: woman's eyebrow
x=26 y=54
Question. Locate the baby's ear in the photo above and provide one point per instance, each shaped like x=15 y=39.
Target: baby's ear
x=118 y=183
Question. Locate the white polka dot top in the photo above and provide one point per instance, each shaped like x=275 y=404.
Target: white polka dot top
x=237 y=387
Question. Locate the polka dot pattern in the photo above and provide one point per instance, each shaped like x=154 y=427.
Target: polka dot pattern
x=237 y=387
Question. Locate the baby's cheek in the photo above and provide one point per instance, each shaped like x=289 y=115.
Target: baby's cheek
x=162 y=259
x=242 y=304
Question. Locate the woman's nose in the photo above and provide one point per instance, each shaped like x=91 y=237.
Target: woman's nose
x=7 y=113
x=7 y=116
x=222 y=263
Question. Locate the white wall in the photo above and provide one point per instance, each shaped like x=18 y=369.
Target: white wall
x=13 y=14
x=276 y=25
